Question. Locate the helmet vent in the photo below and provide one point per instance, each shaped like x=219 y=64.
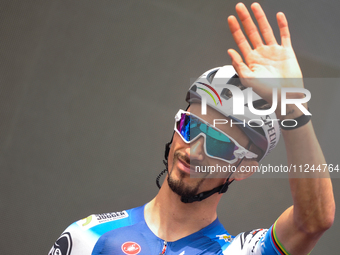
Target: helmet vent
x=211 y=76
x=226 y=94
x=194 y=88
x=235 y=80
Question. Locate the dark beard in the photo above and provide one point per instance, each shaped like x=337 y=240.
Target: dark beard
x=178 y=186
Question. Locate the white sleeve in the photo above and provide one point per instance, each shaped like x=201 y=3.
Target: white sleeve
x=254 y=242
x=75 y=240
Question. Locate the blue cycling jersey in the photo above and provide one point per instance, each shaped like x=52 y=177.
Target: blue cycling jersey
x=126 y=232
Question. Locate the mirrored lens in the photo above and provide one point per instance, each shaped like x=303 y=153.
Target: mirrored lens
x=183 y=126
x=217 y=144
x=220 y=149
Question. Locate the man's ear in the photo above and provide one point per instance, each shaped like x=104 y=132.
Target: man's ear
x=245 y=169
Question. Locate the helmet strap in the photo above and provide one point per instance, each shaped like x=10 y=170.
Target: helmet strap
x=203 y=195
x=165 y=160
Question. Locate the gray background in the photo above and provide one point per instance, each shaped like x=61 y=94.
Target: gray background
x=87 y=97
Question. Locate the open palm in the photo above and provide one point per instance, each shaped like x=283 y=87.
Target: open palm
x=264 y=60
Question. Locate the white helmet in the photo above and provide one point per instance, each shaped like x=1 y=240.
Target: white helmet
x=264 y=135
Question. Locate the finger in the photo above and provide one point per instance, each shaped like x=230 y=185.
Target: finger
x=264 y=25
x=284 y=30
x=237 y=62
x=238 y=35
x=249 y=26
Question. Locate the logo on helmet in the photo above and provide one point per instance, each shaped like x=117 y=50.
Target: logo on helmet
x=213 y=90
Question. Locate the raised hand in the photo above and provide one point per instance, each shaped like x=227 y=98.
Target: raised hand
x=266 y=59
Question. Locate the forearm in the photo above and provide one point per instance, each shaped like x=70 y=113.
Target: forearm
x=312 y=191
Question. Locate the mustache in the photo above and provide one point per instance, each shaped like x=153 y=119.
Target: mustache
x=183 y=157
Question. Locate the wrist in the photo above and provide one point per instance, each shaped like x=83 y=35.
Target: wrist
x=292 y=112
x=293 y=123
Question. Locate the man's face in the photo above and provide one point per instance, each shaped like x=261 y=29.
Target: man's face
x=184 y=157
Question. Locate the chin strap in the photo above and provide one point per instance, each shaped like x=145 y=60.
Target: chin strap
x=161 y=173
x=203 y=195
x=166 y=154
x=220 y=189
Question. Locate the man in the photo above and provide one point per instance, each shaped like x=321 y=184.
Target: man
x=182 y=218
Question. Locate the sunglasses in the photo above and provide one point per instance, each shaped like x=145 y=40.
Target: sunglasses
x=217 y=144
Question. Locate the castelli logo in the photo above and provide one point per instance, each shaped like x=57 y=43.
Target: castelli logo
x=131 y=248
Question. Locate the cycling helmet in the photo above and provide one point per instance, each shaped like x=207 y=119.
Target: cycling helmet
x=262 y=130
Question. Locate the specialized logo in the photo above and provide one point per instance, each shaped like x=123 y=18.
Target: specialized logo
x=62 y=246
x=131 y=248
x=213 y=90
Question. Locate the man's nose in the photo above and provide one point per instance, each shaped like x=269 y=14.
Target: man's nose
x=196 y=149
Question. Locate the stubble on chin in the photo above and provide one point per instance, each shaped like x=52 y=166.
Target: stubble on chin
x=178 y=185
